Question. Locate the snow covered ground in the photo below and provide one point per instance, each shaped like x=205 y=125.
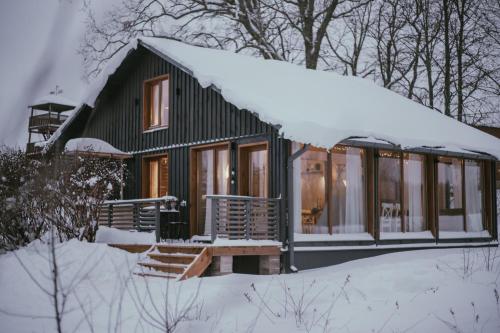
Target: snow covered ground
x=420 y=291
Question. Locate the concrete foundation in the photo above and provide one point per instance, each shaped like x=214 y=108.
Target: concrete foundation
x=269 y=265
x=221 y=265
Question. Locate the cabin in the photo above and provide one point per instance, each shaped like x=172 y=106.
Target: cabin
x=306 y=168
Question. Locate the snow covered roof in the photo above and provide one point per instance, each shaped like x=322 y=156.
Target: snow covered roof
x=57 y=103
x=93 y=146
x=312 y=106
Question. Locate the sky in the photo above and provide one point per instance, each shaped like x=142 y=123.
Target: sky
x=39 y=49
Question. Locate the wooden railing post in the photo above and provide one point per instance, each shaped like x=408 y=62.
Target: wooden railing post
x=247 y=218
x=136 y=216
x=110 y=214
x=157 y=221
x=213 y=222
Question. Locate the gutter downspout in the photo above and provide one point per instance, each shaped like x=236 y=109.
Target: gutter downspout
x=291 y=222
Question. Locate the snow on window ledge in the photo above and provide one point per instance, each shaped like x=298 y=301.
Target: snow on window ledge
x=463 y=234
x=363 y=236
x=406 y=235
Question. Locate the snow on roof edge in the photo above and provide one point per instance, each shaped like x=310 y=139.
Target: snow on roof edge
x=290 y=128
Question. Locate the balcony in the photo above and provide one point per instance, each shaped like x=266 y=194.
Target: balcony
x=46 y=122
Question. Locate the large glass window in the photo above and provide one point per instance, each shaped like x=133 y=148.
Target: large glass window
x=156 y=102
x=414 y=193
x=401 y=191
x=348 y=193
x=389 y=191
x=450 y=195
x=309 y=191
x=473 y=196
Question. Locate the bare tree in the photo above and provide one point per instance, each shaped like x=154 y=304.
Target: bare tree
x=348 y=45
x=388 y=33
x=292 y=30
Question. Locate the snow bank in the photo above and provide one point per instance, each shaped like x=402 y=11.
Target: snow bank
x=415 y=291
x=95 y=145
x=116 y=236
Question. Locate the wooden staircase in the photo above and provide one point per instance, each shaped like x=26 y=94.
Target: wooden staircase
x=175 y=261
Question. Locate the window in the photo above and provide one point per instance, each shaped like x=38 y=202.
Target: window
x=450 y=196
x=389 y=191
x=401 y=192
x=460 y=195
x=309 y=191
x=473 y=196
x=348 y=190
x=155 y=176
x=156 y=103
x=414 y=193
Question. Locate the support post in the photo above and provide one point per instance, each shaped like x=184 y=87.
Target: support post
x=157 y=221
x=291 y=222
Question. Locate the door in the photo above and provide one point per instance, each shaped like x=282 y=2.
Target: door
x=210 y=176
x=253 y=170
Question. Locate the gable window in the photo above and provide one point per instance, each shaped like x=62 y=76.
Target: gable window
x=156 y=102
x=155 y=176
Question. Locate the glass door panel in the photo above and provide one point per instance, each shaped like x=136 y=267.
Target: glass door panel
x=212 y=177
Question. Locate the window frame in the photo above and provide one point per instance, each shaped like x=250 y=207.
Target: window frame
x=401 y=158
x=243 y=151
x=463 y=211
x=145 y=173
x=146 y=93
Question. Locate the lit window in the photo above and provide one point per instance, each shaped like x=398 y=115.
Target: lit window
x=156 y=176
x=156 y=106
x=348 y=190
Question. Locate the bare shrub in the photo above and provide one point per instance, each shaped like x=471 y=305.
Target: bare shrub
x=64 y=192
x=72 y=189
x=18 y=226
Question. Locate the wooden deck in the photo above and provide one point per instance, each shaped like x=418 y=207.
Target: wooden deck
x=182 y=261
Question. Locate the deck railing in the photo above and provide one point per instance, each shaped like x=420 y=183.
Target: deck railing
x=138 y=214
x=241 y=217
x=47 y=120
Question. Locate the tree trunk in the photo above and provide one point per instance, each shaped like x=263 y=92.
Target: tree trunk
x=447 y=59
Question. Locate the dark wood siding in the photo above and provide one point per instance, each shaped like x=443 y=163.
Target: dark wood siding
x=197 y=115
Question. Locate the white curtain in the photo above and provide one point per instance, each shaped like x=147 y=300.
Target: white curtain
x=413 y=182
x=456 y=184
x=210 y=190
x=473 y=198
x=297 y=191
x=354 y=192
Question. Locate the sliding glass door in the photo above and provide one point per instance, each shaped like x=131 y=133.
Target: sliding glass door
x=212 y=177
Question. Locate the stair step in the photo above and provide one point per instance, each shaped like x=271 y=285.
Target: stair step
x=162 y=267
x=172 y=258
x=158 y=274
x=179 y=249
